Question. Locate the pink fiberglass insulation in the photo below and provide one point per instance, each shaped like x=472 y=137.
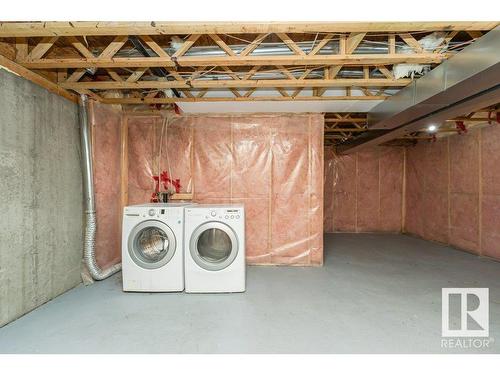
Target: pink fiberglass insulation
x=452 y=191
x=140 y=155
x=490 y=191
x=271 y=163
x=364 y=191
x=105 y=123
x=464 y=191
x=427 y=191
x=147 y=138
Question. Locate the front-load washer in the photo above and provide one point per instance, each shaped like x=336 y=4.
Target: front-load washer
x=214 y=257
x=152 y=247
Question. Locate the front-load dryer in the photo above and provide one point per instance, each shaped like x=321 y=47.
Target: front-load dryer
x=214 y=258
x=152 y=247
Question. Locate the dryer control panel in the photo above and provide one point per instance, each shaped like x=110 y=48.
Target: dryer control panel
x=227 y=214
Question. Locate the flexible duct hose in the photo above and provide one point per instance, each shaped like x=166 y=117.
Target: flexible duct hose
x=88 y=191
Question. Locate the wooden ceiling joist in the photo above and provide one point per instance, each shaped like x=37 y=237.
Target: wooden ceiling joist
x=139 y=57
x=41 y=29
x=341 y=127
x=235 y=83
x=196 y=61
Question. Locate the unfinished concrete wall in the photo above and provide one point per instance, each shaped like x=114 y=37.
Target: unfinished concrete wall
x=40 y=196
x=453 y=191
x=364 y=191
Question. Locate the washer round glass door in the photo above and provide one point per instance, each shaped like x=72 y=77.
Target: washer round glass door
x=213 y=246
x=151 y=244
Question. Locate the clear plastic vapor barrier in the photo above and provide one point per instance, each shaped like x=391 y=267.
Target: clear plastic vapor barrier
x=271 y=163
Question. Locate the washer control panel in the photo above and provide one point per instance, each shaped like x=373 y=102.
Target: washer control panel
x=156 y=212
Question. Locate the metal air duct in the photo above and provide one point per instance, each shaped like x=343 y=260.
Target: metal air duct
x=89 y=200
x=470 y=76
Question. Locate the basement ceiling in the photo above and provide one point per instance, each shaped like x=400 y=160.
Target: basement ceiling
x=228 y=67
x=344 y=127
x=342 y=69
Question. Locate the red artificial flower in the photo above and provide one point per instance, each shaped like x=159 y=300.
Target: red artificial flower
x=154 y=198
x=164 y=176
x=165 y=179
x=177 y=185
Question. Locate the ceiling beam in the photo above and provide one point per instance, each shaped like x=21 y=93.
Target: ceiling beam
x=41 y=29
x=229 y=83
x=198 y=61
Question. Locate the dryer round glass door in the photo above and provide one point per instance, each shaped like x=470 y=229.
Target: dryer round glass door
x=151 y=244
x=213 y=246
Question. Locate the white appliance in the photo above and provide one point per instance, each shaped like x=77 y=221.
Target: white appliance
x=214 y=259
x=152 y=247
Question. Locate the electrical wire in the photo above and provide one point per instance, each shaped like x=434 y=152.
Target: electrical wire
x=164 y=130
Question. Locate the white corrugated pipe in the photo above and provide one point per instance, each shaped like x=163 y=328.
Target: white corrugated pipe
x=88 y=192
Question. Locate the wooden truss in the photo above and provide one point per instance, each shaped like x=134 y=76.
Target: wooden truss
x=341 y=127
x=97 y=58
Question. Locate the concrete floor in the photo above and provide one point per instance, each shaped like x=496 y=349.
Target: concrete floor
x=375 y=294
